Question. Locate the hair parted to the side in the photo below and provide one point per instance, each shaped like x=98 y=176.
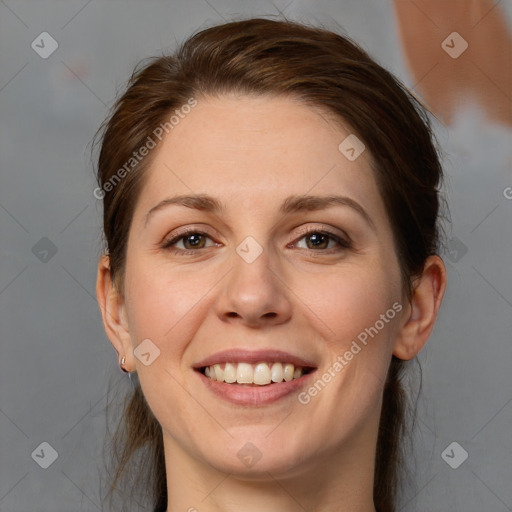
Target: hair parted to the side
x=322 y=69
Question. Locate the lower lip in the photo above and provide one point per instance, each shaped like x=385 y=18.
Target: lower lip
x=255 y=395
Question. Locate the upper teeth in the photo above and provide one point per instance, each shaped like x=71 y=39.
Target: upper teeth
x=260 y=374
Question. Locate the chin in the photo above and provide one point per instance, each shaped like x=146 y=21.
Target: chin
x=255 y=457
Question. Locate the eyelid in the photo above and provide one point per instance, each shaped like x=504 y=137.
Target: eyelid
x=191 y=228
x=180 y=233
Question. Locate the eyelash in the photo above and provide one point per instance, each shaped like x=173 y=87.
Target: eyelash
x=343 y=244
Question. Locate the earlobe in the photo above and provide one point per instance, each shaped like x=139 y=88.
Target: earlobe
x=420 y=315
x=111 y=304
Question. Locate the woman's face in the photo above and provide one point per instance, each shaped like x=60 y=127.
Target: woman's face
x=262 y=270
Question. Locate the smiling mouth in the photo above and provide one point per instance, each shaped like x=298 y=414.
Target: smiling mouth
x=259 y=374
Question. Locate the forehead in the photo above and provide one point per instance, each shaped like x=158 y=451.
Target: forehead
x=251 y=151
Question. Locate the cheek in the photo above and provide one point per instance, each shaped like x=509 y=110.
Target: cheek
x=357 y=313
x=165 y=307
x=350 y=302
x=162 y=305
x=158 y=299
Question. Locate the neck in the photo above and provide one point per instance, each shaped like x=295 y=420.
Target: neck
x=340 y=481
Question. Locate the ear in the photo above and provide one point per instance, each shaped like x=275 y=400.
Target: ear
x=113 y=312
x=420 y=315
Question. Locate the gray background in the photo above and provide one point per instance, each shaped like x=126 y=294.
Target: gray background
x=56 y=361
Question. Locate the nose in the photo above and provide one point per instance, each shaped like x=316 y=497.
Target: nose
x=254 y=294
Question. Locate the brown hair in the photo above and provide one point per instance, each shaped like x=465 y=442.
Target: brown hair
x=322 y=69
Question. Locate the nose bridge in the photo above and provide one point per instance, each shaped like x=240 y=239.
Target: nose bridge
x=253 y=293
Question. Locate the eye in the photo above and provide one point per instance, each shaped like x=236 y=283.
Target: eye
x=315 y=239
x=322 y=240
x=190 y=241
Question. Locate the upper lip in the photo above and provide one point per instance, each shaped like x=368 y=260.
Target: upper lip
x=253 y=357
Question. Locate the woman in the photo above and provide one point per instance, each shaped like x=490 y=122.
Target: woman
x=270 y=212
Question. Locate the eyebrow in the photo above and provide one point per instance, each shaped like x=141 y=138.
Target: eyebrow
x=291 y=204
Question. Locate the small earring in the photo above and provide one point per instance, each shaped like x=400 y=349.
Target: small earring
x=121 y=365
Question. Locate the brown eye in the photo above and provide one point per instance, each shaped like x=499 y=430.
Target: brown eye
x=317 y=241
x=322 y=240
x=190 y=241
x=194 y=241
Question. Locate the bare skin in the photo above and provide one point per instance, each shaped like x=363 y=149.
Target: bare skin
x=305 y=294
